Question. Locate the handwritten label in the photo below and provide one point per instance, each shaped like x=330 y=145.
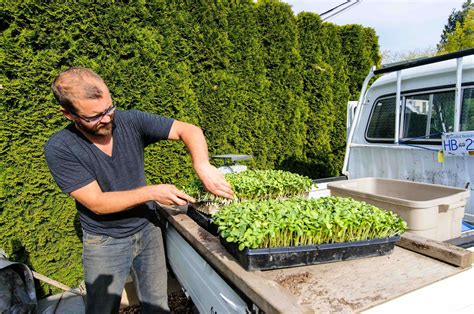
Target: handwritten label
x=458 y=144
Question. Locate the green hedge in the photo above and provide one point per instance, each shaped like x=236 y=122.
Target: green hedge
x=319 y=83
x=258 y=79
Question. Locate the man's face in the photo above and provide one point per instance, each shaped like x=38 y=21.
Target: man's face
x=94 y=116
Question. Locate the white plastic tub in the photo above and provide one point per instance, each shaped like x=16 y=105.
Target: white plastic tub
x=430 y=210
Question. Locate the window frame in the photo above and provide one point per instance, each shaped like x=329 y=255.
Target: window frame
x=430 y=97
x=462 y=103
x=404 y=95
x=375 y=139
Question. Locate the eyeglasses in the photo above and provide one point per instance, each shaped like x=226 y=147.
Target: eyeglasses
x=96 y=118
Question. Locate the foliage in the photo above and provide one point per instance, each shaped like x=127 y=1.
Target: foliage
x=357 y=48
x=264 y=224
x=456 y=16
x=319 y=89
x=392 y=57
x=462 y=37
x=241 y=70
x=282 y=60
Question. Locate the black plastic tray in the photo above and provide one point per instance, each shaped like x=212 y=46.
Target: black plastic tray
x=204 y=220
x=283 y=257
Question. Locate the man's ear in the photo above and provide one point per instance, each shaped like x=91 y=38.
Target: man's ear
x=67 y=113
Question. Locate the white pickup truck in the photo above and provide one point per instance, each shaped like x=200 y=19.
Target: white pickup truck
x=395 y=129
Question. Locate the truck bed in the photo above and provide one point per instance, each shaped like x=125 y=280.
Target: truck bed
x=343 y=286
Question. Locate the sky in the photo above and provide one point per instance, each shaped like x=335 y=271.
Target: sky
x=402 y=25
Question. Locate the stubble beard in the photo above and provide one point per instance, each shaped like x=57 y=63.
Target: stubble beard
x=99 y=131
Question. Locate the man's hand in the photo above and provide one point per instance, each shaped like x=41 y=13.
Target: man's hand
x=194 y=139
x=168 y=194
x=103 y=203
x=214 y=181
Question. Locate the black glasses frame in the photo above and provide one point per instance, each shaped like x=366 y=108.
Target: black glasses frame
x=96 y=118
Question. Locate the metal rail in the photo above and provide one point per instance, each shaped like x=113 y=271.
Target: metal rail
x=392 y=67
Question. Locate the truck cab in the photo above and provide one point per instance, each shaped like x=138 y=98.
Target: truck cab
x=396 y=128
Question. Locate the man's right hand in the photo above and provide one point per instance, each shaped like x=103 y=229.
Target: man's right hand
x=168 y=194
x=103 y=203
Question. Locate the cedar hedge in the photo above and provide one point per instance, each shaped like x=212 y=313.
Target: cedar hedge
x=258 y=79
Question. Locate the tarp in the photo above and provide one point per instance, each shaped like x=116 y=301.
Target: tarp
x=17 y=289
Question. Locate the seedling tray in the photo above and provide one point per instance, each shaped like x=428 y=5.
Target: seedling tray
x=202 y=219
x=283 y=257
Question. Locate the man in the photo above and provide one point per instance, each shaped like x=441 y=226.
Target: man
x=99 y=160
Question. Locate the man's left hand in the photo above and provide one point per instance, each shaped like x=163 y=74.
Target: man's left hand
x=214 y=181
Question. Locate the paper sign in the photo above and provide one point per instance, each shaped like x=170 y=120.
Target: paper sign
x=458 y=144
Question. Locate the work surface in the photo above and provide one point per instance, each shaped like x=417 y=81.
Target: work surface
x=348 y=286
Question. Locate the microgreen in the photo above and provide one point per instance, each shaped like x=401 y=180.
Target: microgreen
x=298 y=221
x=256 y=185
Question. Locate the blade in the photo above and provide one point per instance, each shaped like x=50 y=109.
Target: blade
x=207 y=208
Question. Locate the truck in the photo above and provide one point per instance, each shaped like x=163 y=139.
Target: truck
x=395 y=129
x=401 y=127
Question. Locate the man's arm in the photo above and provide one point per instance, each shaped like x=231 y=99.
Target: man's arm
x=194 y=139
x=102 y=203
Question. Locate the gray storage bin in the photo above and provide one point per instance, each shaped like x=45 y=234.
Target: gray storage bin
x=430 y=210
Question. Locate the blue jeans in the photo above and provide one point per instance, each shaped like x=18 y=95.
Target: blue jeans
x=108 y=262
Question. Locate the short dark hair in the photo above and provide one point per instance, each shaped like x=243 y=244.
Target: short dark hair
x=76 y=83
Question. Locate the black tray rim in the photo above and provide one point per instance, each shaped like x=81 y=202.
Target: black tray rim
x=308 y=248
x=203 y=220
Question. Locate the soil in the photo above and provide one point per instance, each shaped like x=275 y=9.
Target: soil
x=177 y=301
x=293 y=282
x=130 y=309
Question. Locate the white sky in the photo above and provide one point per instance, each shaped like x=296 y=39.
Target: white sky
x=401 y=25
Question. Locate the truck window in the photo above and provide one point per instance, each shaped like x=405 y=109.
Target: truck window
x=382 y=120
x=467 y=110
x=428 y=115
x=424 y=116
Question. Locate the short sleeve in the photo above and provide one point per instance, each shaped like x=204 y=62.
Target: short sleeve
x=67 y=171
x=151 y=127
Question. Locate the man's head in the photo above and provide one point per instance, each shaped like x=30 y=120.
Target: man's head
x=85 y=99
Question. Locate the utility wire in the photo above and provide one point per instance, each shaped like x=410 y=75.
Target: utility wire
x=343 y=9
x=329 y=11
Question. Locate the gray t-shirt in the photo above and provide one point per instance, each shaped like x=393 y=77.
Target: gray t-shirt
x=75 y=162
